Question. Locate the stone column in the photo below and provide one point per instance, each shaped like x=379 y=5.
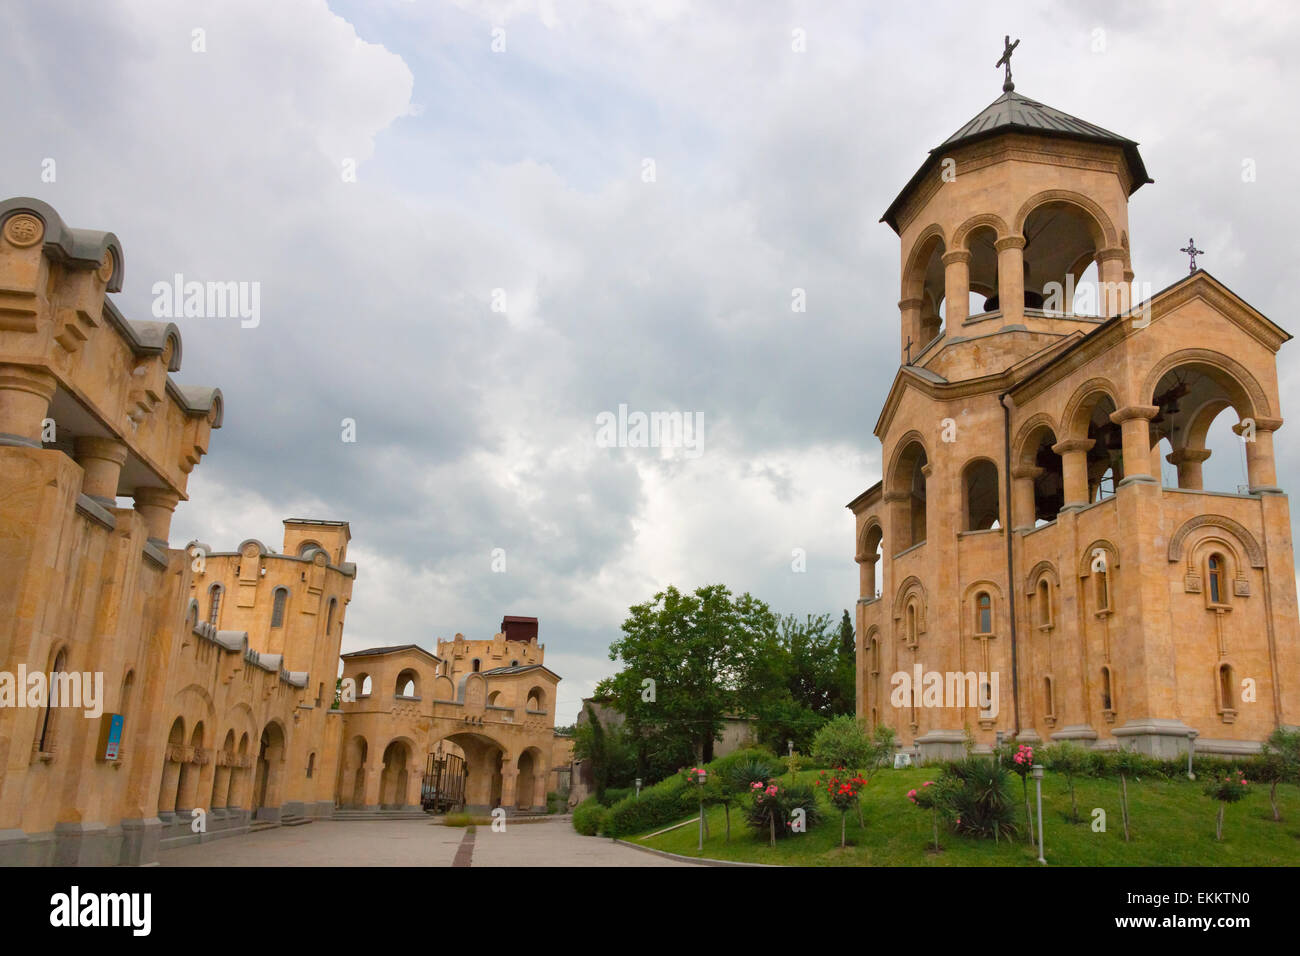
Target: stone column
x=509 y=781
x=170 y=781
x=1260 y=467
x=101 y=459
x=156 y=506
x=1113 y=296
x=374 y=777
x=1074 y=467
x=956 y=287
x=1022 y=496
x=187 y=792
x=1134 y=419
x=221 y=787
x=1011 y=277
x=25 y=394
x=867 y=576
x=911 y=315
x=1188 y=462
x=413 y=783
x=539 y=791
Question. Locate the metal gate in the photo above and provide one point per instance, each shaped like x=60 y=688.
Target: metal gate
x=443 y=785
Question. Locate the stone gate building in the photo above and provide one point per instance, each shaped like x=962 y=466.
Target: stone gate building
x=1020 y=528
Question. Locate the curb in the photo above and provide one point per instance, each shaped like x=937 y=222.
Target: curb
x=699 y=860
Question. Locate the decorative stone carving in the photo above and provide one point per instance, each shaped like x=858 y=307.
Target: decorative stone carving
x=1192 y=583
x=23 y=230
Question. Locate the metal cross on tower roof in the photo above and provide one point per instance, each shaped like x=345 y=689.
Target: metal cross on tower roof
x=1193 y=252
x=1008 y=49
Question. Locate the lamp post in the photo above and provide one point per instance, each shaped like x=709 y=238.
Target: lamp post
x=1191 y=745
x=1037 y=771
x=638 y=788
x=700 y=779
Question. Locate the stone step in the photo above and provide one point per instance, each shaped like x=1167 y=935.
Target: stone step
x=258 y=826
x=295 y=821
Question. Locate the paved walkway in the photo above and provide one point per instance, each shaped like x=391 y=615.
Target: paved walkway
x=553 y=842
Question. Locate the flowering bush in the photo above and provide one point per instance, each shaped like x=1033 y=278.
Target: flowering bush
x=772 y=807
x=843 y=793
x=928 y=797
x=1227 y=789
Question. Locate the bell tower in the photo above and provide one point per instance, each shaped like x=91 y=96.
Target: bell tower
x=1023 y=546
x=1002 y=221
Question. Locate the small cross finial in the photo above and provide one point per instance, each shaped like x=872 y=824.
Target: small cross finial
x=909 y=350
x=1192 y=252
x=1007 y=49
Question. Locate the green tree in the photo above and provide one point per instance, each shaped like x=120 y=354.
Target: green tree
x=684 y=656
x=798 y=678
x=1279 y=762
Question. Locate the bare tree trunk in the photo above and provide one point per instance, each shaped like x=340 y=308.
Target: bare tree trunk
x=771 y=820
x=727 y=809
x=1218 y=824
x=843 y=814
x=1123 y=803
x=1029 y=811
x=1272 y=799
x=934 y=819
x=1074 y=805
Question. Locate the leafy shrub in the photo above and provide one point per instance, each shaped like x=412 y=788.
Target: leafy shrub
x=589 y=817
x=772 y=808
x=614 y=795
x=976 y=795
x=555 y=801
x=1070 y=761
x=665 y=803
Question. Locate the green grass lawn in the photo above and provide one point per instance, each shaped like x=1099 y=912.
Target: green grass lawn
x=1171 y=824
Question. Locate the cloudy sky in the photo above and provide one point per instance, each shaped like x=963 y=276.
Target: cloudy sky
x=523 y=169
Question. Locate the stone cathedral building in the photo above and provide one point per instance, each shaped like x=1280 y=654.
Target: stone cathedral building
x=213 y=672
x=1021 y=528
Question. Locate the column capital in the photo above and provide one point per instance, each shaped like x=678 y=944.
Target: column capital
x=915 y=303
x=1009 y=242
x=955 y=256
x=150 y=497
x=1027 y=471
x=25 y=393
x=1262 y=424
x=1186 y=455
x=1130 y=412
x=107 y=449
x=1073 y=444
x=1115 y=252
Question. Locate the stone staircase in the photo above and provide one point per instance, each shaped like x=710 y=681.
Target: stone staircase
x=354 y=814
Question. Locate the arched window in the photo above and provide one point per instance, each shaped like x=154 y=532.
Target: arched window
x=1107 y=696
x=476 y=665
x=873 y=656
x=320 y=692
x=192 y=615
x=308 y=546
x=214 y=603
x=329 y=617
x=980 y=488
x=911 y=625
x=1044 y=603
x=514 y=663
x=128 y=684
x=1226 y=687
x=277 y=606
x=1049 y=698
x=45 y=742
x=983 y=613
x=311 y=764
x=406 y=683
x=1102 y=575
x=365 y=685
x=1214 y=575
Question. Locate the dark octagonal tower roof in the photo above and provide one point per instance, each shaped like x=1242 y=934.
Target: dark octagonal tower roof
x=1013 y=113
